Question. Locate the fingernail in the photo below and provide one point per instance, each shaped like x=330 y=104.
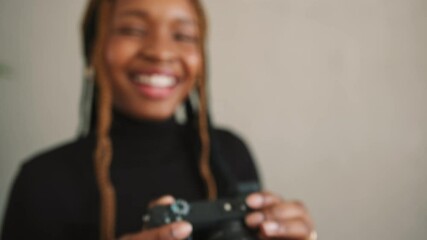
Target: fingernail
x=255 y=200
x=166 y=198
x=270 y=227
x=181 y=230
x=254 y=219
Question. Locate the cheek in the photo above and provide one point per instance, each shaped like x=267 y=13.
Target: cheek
x=119 y=52
x=194 y=62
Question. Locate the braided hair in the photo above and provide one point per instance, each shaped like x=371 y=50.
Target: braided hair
x=95 y=32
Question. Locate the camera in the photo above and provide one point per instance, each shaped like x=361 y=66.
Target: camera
x=222 y=219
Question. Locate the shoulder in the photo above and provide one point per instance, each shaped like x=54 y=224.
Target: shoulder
x=226 y=136
x=51 y=177
x=48 y=187
x=66 y=154
x=236 y=152
x=63 y=163
x=232 y=145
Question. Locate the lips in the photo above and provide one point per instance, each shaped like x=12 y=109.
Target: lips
x=155 y=85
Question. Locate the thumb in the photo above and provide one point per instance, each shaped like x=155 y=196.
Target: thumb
x=164 y=200
x=174 y=231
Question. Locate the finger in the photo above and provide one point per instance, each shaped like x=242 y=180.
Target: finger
x=164 y=200
x=173 y=231
x=285 y=210
x=253 y=220
x=279 y=212
x=292 y=229
x=262 y=199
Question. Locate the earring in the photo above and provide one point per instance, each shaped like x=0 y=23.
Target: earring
x=180 y=116
x=86 y=101
x=194 y=99
x=186 y=109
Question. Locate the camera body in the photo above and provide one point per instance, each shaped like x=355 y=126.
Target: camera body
x=222 y=219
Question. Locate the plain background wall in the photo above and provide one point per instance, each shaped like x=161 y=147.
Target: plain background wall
x=330 y=95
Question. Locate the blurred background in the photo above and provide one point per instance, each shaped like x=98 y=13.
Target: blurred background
x=330 y=95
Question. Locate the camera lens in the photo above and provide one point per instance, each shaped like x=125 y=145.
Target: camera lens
x=232 y=230
x=180 y=207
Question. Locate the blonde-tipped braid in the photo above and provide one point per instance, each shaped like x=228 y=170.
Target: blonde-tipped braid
x=204 y=162
x=103 y=152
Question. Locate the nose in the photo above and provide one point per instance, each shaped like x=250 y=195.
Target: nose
x=158 y=48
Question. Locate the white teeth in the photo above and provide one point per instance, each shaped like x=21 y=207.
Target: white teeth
x=160 y=81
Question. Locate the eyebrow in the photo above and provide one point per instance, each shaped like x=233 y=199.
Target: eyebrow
x=185 y=21
x=144 y=15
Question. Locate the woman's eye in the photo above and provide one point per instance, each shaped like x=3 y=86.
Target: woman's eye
x=182 y=37
x=132 y=31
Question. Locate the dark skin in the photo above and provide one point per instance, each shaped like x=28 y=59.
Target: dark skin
x=161 y=36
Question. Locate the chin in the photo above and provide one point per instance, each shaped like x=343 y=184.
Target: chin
x=157 y=115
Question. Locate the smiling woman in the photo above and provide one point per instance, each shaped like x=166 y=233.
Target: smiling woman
x=147 y=56
x=153 y=56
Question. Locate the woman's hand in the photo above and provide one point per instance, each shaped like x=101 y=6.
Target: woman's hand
x=173 y=231
x=279 y=219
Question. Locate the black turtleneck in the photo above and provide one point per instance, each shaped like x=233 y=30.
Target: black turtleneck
x=55 y=195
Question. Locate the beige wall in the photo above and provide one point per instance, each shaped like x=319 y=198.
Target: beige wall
x=331 y=96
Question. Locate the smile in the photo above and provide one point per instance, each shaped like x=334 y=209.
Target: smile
x=156 y=80
x=155 y=86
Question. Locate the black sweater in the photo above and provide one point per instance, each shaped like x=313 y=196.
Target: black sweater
x=55 y=195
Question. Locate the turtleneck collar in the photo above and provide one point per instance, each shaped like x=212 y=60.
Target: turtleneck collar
x=124 y=124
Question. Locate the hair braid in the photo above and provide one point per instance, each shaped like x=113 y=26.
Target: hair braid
x=204 y=163
x=103 y=151
x=203 y=123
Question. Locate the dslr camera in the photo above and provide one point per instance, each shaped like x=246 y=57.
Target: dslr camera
x=222 y=219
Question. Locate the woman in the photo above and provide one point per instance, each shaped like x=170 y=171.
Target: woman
x=148 y=55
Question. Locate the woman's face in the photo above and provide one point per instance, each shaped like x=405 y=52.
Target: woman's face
x=152 y=56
